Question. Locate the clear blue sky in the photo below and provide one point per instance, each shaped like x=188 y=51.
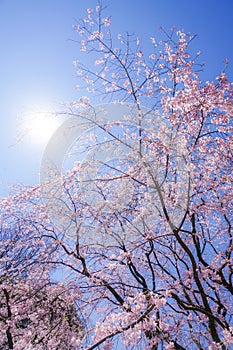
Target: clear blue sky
x=36 y=58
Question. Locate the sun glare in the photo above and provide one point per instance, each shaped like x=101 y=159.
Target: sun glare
x=41 y=127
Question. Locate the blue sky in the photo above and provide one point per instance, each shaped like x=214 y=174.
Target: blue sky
x=37 y=53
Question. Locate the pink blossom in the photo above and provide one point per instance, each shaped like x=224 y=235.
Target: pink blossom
x=139 y=54
x=106 y=22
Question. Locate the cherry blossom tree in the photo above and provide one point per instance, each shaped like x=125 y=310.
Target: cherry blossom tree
x=144 y=234
x=36 y=312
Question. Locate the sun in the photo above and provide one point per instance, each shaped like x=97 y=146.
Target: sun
x=41 y=127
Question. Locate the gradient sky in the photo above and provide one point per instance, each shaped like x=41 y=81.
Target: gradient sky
x=36 y=59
